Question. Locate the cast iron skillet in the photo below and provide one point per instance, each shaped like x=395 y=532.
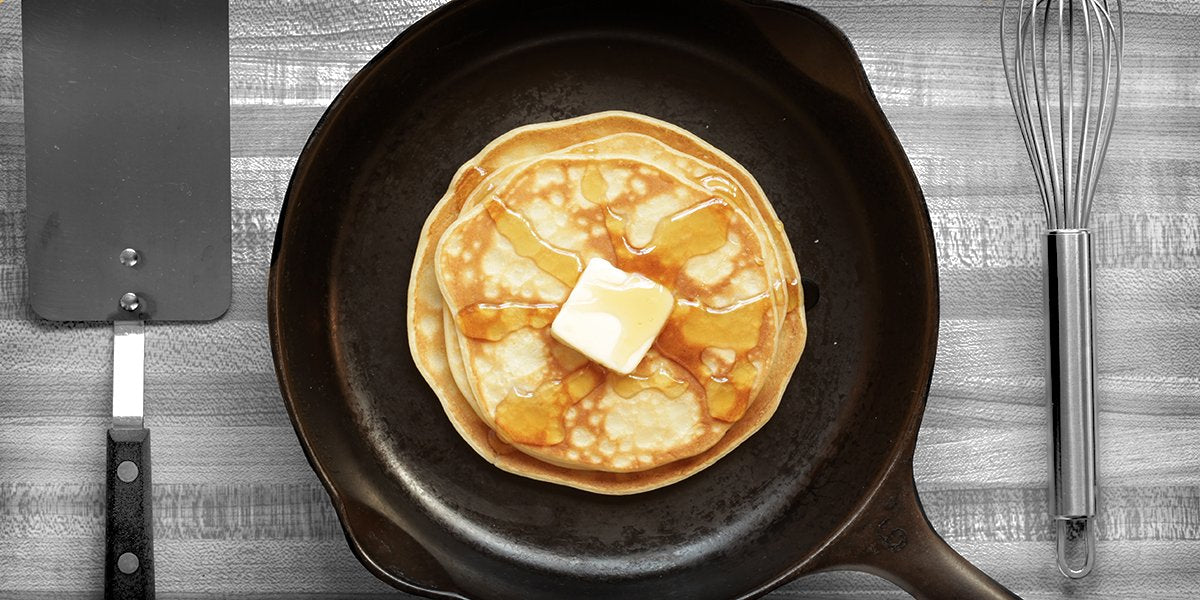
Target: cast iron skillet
x=826 y=484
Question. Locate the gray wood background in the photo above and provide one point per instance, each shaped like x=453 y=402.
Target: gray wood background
x=239 y=513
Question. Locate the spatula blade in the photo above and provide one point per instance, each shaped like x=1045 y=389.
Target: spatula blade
x=127 y=158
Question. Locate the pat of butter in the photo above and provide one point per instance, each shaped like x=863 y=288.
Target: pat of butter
x=612 y=317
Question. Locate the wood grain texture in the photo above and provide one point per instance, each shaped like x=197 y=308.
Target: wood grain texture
x=239 y=513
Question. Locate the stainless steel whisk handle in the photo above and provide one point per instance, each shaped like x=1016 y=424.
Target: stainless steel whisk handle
x=1070 y=386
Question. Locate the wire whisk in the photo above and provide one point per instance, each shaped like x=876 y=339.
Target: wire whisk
x=1062 y=61
x=1043 y=42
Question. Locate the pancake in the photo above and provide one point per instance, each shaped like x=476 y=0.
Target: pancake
x=704 y=250
x=449 y=373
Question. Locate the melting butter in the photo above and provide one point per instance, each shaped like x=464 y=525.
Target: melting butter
x=611 y=316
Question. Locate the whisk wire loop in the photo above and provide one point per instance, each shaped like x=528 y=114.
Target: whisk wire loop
x=1063 y=70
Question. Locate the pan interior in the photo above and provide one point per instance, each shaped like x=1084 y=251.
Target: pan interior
x=383 y=158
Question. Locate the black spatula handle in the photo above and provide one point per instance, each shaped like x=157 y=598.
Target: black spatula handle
x=129 y=542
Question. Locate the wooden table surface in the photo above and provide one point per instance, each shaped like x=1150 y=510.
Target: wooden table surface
x=238 y=512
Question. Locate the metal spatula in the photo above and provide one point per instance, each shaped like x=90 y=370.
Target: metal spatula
x=128 y=220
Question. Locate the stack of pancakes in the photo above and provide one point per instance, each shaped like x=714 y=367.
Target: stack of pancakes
x=501 y=251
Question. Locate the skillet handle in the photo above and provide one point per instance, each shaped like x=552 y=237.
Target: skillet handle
x=892 y=538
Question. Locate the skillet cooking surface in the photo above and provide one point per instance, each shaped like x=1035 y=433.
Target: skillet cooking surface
x=775 y=87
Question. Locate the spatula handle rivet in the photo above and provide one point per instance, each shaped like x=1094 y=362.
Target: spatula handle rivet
x=127 y=563
x=130 y=301
x=129 y=257
x=127 y=471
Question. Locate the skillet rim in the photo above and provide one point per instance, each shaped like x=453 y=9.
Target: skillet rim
x=901 y=448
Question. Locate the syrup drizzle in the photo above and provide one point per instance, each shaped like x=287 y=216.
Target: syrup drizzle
x=537 y=419
x=793 y=293
x=720 y=185
x=650 y=374
x=494 y=321
x=691 y=232
x=693 y=327
x=593 y=186
x=564 y=266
